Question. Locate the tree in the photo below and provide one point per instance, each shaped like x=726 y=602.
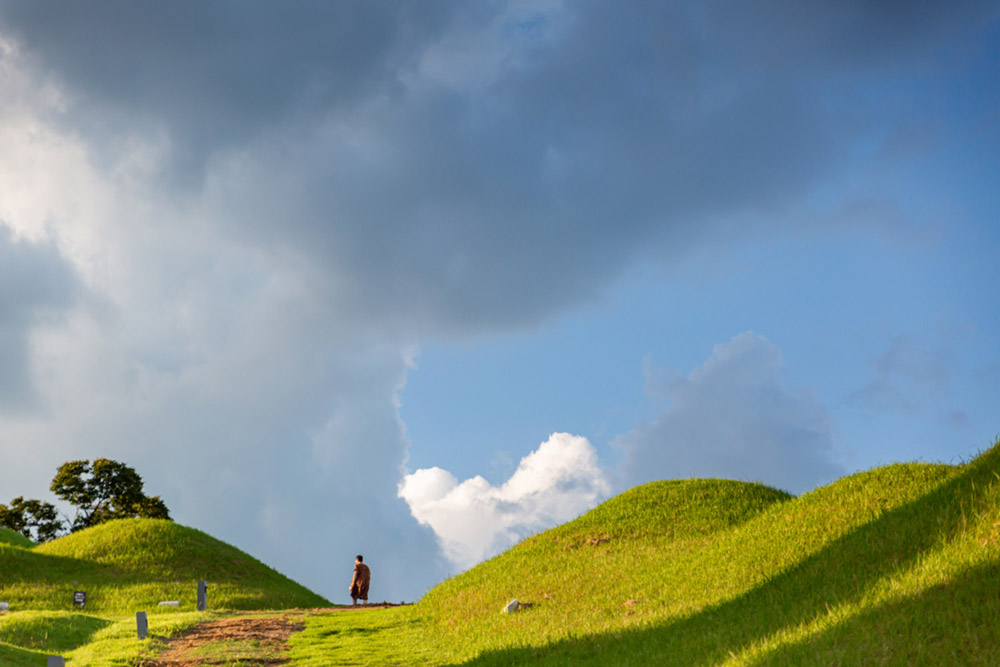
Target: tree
x=38 y=521
x=100 y=492
x=104 y=491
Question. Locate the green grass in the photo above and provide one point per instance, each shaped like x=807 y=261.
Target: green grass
x=124 y=566
x=11 y=538
x=897 y=565
x=12 y=656
x=394 y=636
x=794 y=581
x=132 y=564
x=56 y=631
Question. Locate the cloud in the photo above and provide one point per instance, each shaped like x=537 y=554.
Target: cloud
x=475 y=520
x=220 y=370
x=734 y=418
x=460 y=168
x=268 y=207
x=910 y=379
x=36 y=286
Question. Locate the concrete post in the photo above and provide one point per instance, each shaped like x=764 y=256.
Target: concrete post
x=141 y=624
x=202 y=595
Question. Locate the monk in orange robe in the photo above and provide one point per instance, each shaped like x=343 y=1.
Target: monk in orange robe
x=359 y=583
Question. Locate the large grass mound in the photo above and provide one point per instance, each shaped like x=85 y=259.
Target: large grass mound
x=133 y=564
x=896 y=564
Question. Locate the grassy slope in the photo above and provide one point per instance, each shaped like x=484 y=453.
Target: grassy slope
x=11 y=538
x=124 y=566
x=896 y=565
x=132 y=564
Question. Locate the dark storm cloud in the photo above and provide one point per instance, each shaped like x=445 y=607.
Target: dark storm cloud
x=34 y=281
x=213 y=73
x=483 y=183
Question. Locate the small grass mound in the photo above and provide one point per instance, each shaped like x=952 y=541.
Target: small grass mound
x=14 y=539
x=55 y=631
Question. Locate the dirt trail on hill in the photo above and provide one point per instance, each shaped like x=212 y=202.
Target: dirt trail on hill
x=251 y=639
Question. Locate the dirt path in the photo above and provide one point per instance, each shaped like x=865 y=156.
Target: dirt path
x=248 y=640
x=254 y=639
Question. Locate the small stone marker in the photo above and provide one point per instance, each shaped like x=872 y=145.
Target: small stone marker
x=56 y=661
x=170 y=603
x=79 y=599
x=141 y=624
x=511 y=606
x=4 y=606
x=202 y=595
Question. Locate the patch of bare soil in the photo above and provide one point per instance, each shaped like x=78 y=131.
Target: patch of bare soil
x=268 y=634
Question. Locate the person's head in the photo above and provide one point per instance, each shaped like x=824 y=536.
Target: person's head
x=360 y=558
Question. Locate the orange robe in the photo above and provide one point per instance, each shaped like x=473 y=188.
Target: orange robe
x=359 y=583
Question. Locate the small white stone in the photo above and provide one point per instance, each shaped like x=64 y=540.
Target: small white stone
x=4 y=606
x=170 y=603
x=511 y=606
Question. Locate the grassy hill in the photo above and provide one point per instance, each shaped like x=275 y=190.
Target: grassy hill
x=897 y=565
x=124 y=566
x=132 y=564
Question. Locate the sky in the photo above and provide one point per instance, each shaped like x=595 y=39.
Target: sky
x=417 y=280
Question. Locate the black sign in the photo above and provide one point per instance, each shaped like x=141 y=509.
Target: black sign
x=79 y=599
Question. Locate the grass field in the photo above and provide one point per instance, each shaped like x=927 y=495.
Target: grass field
x=897 y=565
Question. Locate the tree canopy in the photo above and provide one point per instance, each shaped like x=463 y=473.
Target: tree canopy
x=38 y=521
x=99 y=492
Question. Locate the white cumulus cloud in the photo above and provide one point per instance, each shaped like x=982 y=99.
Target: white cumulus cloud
x=474 y=520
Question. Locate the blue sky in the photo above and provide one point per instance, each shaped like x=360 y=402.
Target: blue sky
x=416 y=280
x=834 y=306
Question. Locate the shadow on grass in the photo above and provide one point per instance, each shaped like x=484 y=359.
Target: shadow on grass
x=11 y=656
x=839 y=573
x=49 y=631
x=948 y=624
x=26 y=565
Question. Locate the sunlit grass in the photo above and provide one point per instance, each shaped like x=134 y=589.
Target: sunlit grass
x=132 y=564
x=394 y=636
x=791 y=584
x=897 y=565
x=124 y=567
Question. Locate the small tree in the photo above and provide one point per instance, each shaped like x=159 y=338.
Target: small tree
x=36 y=520
x=104 y=491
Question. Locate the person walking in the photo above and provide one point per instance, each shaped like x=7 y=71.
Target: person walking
x=360 y=581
